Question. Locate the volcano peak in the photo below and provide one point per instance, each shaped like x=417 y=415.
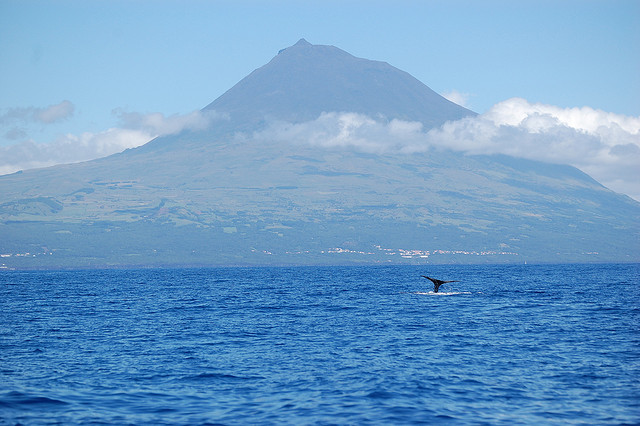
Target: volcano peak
x=305 y=80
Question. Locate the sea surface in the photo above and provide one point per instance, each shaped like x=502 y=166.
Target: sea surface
x=515 y=344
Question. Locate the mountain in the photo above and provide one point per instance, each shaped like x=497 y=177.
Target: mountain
x=270 y=181
x=303 y=81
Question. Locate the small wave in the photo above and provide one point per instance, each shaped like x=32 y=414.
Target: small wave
x=442 y=293
x=378 y=394
x=17 y=400
x=217 y=376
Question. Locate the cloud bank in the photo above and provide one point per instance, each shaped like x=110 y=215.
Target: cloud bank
x=134 y=129
x=602 y=144
x=159 y=125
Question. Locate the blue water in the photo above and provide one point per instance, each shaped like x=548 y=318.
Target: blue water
x=525 y=344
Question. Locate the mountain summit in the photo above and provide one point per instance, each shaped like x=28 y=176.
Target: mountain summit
x=239 y=192
x=305 y=80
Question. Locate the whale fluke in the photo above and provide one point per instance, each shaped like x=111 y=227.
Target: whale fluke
x=437 y=283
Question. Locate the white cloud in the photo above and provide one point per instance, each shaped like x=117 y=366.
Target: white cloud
x=348 y=130
x=136 y=129
x=54 y=113
x=515 y=111
x=456 y=97
x=602 y=144
x=156 y=123
x=48 y=115
x=68 y=149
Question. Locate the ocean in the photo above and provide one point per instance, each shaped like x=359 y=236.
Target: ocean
x=508 y=344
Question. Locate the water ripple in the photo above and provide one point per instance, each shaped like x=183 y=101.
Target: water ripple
x=511 y=344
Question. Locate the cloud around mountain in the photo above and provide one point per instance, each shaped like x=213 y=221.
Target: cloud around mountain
x=133 y=130
x=602 y=144
x=459 y=98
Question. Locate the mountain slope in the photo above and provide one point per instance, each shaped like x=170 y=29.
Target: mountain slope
x=227 y=196
x=304 y=80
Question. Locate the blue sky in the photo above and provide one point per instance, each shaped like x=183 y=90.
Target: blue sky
x=75 y=67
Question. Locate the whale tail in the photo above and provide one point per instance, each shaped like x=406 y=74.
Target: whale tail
x=437 y=283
